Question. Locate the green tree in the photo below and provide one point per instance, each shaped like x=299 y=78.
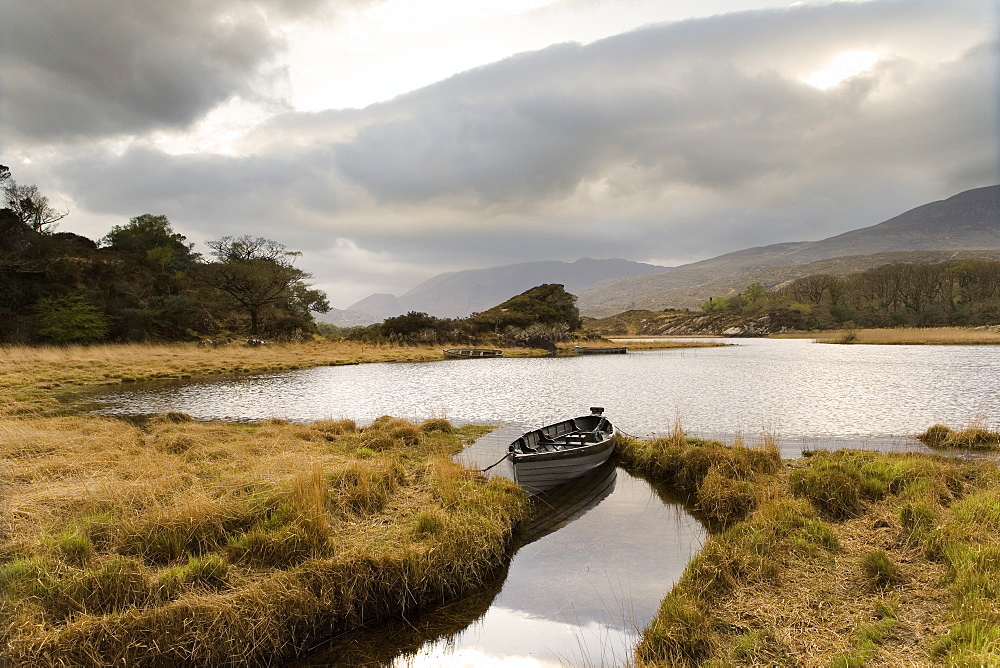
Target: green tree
x=258 y=276
x=151 y=240
x=70 y=319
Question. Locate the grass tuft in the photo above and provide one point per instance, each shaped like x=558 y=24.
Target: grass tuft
x=974 y=437
x=879 y=570
x=682 y=634
x=437 y=424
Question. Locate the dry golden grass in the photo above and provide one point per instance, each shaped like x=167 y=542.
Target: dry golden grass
x=897 y=564
x=956 y=336
x=977 y=436
x=183 y=542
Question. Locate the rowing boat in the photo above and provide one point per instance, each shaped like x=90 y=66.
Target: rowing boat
x=473 y=352
x=549 y=456
x=583 y=350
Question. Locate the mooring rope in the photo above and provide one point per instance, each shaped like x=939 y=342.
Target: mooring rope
x=494 y=464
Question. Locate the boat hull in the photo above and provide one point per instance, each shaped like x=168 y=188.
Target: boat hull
x=557 y=454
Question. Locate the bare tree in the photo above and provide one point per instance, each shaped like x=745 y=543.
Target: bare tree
x=30 y=206
x=258 y=273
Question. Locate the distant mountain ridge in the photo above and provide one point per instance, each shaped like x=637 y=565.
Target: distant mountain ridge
x=949 y=228
x=460 y=293
x=967 y=221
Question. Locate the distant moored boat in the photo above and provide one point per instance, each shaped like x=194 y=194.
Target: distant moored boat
x=583 y=350
x=473 y=352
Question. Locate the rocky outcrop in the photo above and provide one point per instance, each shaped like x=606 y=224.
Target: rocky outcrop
x=684 y=323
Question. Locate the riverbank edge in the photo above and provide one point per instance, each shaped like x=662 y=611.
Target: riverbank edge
x=843 y=558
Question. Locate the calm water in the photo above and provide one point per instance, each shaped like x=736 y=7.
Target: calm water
x=795 y=389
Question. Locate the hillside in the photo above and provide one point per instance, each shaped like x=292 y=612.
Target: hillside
x=941 y=230
x=461 y=293
x=771 y=277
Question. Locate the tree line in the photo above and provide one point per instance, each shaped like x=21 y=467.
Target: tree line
x=141 y=281
x=955 y=292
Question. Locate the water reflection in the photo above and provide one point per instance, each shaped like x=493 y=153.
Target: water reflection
x=575 y=596
x=793 y=388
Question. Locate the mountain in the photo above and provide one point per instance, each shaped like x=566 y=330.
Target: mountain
x=345 y=318
x=964 y=222
x=460 y=293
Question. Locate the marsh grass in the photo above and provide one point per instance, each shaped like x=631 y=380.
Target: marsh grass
x=974 y=437
x=880 y=571
x=223 y=543
x=846 y=559
x=724 y=481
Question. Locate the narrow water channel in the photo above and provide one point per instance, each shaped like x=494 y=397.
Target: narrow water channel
x=594 y=564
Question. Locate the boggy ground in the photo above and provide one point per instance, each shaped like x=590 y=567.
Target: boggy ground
x=178 y=542
x=841 y=558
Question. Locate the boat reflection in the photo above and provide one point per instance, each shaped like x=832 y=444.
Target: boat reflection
x=557 y=507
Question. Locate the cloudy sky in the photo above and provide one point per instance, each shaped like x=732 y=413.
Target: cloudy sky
x=391 y=140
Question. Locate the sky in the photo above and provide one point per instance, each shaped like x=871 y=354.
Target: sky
x=392 y=140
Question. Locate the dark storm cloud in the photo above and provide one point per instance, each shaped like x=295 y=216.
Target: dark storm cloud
x=108 y=67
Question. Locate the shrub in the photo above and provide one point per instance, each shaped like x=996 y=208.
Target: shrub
x=69 y=320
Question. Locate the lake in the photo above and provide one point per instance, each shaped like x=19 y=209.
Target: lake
x=805 y=393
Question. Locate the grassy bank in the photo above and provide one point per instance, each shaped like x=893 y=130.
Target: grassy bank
x=183 y=542
x=941 y=336
x=222 y=543
x=840 y=559
x=32 y=377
